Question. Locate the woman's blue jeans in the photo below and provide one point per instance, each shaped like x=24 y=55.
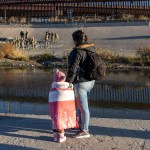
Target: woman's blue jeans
x=81 y=94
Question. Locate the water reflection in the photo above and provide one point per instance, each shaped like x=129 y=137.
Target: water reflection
x=10 y=77
x=25 y=77
x=19 y=107
x=24 y=82
x=36 y=108
x=129 y=76
x=36 y=82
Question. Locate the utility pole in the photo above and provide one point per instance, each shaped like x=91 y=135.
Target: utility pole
x=5 y=13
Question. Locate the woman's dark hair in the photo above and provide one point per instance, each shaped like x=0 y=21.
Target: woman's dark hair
x=79 y=37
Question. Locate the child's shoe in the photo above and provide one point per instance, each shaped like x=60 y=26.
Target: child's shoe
x=56 y=136
x=61 y=137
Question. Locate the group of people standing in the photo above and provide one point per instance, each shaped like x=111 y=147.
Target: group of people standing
x=69 y=93
x=51 y=37
x=25 y=42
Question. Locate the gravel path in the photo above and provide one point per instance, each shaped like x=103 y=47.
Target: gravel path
x=111 y=129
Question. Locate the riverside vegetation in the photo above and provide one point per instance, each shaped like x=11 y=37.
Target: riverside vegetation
x=14 y=57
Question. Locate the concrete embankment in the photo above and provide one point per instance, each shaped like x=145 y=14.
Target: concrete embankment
x=118 y=37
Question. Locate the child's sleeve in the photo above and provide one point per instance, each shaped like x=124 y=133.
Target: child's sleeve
x=70 y=86
x=53 y=85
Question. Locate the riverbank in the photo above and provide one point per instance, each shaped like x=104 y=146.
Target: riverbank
x=59 y=63
x=111 y=129
x=57 y=57
x=18 y=64
x=55 y=54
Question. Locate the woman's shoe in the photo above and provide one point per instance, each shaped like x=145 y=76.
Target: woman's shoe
x=82 y=134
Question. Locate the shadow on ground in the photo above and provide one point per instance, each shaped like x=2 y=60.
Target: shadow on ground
x=9 y=126
x=120 y=113
x=128 y=38
x=14 y=147
x=119 y=132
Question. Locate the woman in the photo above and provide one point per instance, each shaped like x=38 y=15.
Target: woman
x=77 y=75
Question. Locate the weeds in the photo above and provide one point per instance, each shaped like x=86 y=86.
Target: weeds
x=8 y=51
x=144 y=55
x=111 y=57
x=43 y=57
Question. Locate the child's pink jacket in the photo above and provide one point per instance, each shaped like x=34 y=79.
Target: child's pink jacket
x=62 y=106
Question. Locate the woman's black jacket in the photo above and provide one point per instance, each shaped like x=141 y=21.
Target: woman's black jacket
x=77 y=63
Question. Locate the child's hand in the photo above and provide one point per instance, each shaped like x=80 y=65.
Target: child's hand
x=70 y=86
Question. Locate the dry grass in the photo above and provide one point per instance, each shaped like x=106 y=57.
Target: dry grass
x=144 y=55
x=111 y=57
x=142 y=17
x=8 y=51
x=105 y=54
x=145 y=51
x=42 y=57
x=141 y=59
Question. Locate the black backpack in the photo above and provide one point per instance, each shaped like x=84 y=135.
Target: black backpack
x=95 y=68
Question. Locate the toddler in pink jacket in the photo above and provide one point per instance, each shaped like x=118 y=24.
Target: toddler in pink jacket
x=62 y=106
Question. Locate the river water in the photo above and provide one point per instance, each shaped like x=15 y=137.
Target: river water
x=11 y=78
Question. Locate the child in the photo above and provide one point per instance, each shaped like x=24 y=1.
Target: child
x=62 y=106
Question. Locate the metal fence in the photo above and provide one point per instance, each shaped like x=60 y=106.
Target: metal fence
x=101 y=92
x=121 y=93
x=59 y=10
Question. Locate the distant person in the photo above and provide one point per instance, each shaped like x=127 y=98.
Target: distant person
x=22 y=35
x=27 y=43
x=17 y=43
x=62 y=106
x=52 y=37
x=77 y=75
x=56 y=38
x=46 y=40
x=33 y=42
x=48 y=35
x=22 y=44
x=26 y=35
x=47 y=32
